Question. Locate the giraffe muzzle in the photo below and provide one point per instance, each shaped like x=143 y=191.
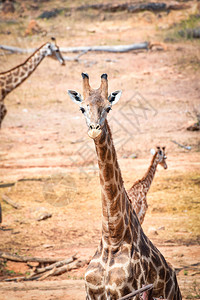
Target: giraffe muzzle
x=94 y=131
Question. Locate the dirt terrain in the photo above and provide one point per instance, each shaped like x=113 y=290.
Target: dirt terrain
x=48 y=162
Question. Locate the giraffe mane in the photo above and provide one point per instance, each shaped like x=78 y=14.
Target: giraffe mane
x=143 y=178
x=20 y=65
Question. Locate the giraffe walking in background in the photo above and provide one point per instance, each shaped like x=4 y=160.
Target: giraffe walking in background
x=11 y=79
x=125 y=259
x=138 y=192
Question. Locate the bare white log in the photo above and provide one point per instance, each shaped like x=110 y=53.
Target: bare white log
x=85 y=49
x=12 y=49
x=117 y=48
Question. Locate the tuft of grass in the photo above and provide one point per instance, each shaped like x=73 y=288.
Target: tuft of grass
x=181 y=30
x=195 y=292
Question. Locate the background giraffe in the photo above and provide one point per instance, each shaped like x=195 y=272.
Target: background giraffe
x=125 y=259
x=11 y=79
x=140 y=188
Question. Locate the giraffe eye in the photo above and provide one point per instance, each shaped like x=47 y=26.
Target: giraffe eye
x=108 y=109
x=82 y=109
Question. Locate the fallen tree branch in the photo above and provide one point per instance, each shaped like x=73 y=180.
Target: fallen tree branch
x=192 y=267
x=53 y=272
x=52 y=266
x=131 y=295
x=182 y=146
x=85 y=49
x=114 y=49
x=17 y=49
x=17 y=258
x=135 y=7
x=7 y=200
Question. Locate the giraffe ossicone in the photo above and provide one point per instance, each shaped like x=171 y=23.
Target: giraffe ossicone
x=12 y=78
x=125 y=259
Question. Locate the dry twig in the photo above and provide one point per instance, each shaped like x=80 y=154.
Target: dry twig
x=7 y=199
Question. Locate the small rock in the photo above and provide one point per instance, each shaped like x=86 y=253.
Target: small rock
x=161 y=228
x=47 y=246
x=152 y=230
x=44 y=216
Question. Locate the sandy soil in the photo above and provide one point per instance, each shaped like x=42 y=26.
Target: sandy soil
x=48 y=163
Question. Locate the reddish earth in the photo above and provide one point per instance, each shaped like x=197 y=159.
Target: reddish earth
x=48 y=163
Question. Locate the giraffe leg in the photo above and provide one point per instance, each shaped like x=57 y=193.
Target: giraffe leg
x=3 y=112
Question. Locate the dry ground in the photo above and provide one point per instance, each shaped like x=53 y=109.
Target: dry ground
x=48 y=163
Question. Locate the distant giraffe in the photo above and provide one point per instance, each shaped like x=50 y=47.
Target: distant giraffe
x=140 y=188
x=12 y=78
x=125 y=259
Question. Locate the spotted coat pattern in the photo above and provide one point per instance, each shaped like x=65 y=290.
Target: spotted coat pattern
x=125 y=259
x=11 y=79
x=138 y=192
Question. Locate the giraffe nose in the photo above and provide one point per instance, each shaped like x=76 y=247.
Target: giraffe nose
x=92 y=126
x=94 y=131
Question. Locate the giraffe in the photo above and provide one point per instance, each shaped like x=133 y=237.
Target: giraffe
x=125 y=258
x=140 y=188
x=12 y=78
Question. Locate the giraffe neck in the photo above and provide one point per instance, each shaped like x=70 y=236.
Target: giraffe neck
x=13 y=78
x=148 y=177
x=115 y=203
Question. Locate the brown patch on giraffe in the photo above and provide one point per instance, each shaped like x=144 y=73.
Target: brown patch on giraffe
x=101 y=178
x=162 y=274
x=111 y=191
x=136 y=255
x=144 y=247
x=126 y=220
x=108 y=154
x=152 y=274
x=94 y=277
x=97 y=291
x=108 y=172
x=16 y=73
x=8 y=87
x=102 y=153
x=159 y=287
x=16 y=79
x=102 y=138
x=9 y=80
x=125 y=291
x=114 y=157
x=115 y=208
x=120 y=226
x=3 y=79
x=116 y=175
x=117 y=276
x=168 y=286
x=22 y=73
x=128 y=236
x=112 y=293
x=156 y=261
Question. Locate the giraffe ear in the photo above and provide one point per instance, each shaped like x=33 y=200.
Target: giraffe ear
x=76 y=97
x=114 y=97
x=153 y=151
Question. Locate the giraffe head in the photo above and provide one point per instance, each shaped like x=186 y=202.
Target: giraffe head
x=52 y=50
x=95 y=104
x=161 y=157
